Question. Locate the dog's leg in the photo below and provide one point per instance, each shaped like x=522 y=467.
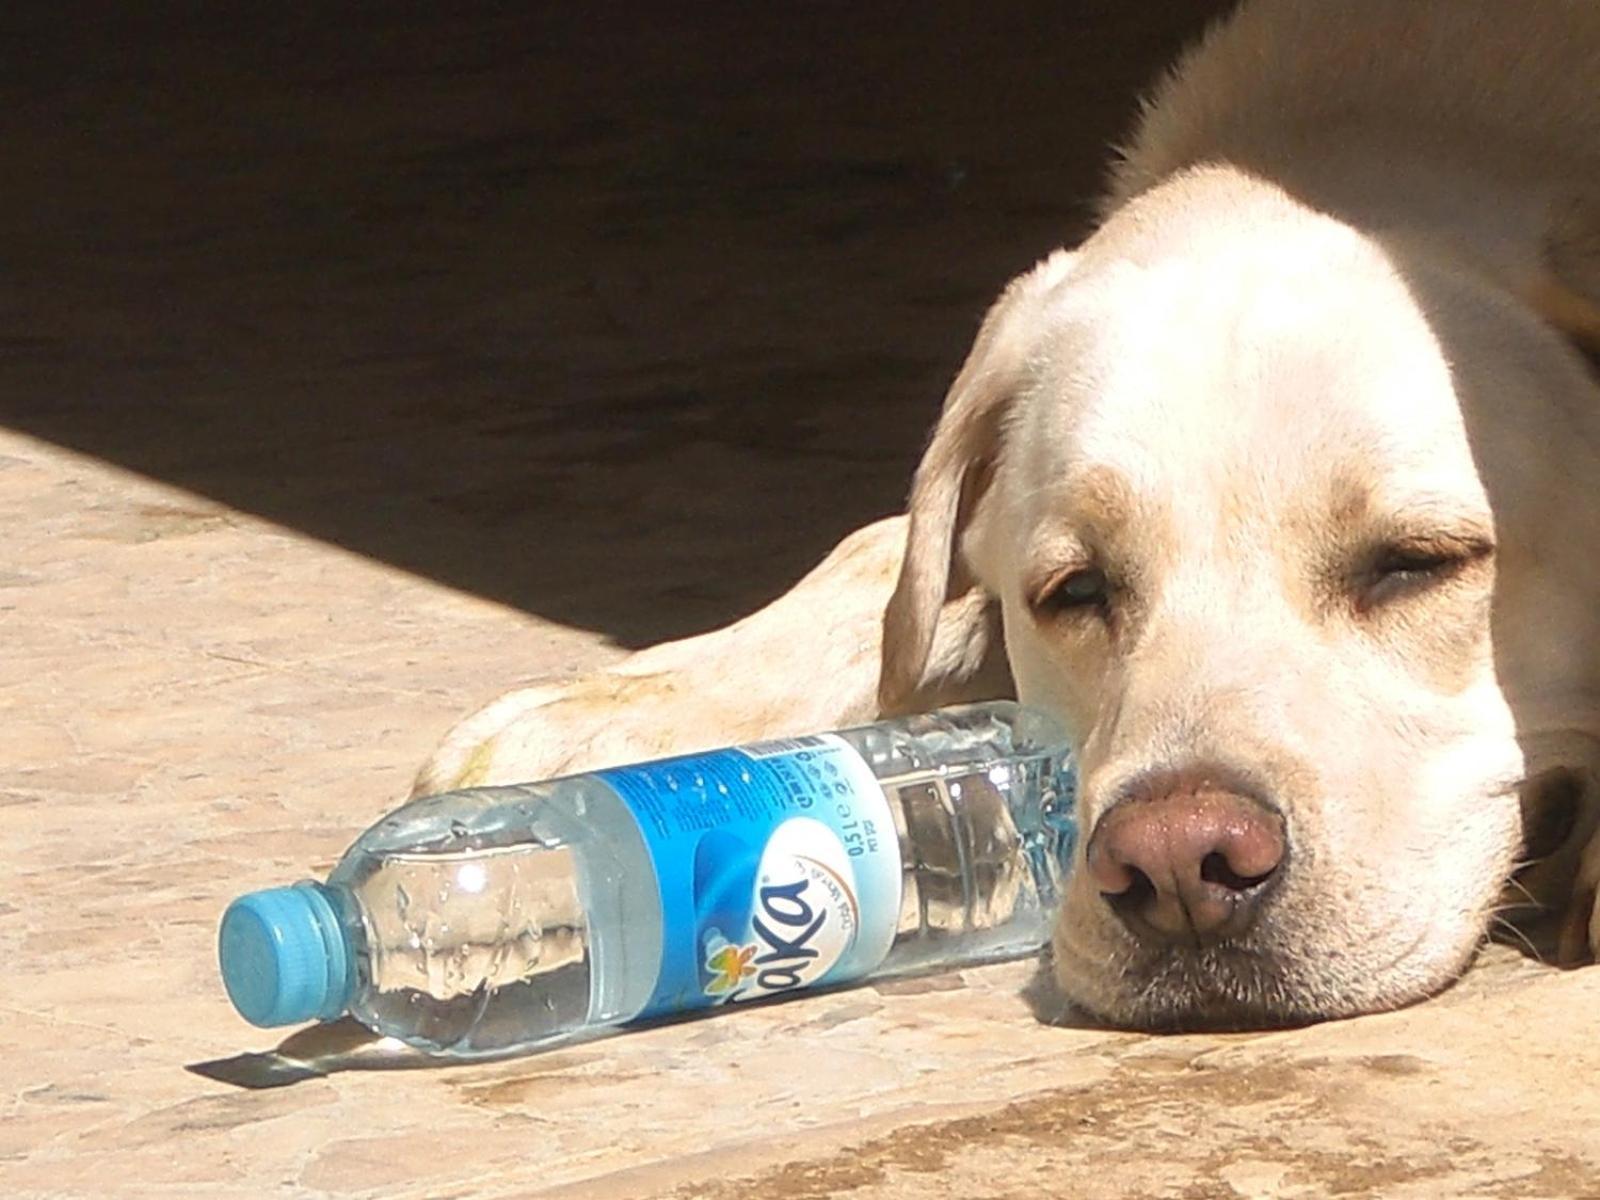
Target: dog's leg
x=1580 y=930
x=1567 y=294
x=808 y=661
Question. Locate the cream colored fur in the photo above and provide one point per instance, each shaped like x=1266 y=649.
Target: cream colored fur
x=1337 y=305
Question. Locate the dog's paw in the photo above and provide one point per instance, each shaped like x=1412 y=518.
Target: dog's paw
x=1580 y=932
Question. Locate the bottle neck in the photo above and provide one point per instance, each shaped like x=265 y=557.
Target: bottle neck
x=286 y=955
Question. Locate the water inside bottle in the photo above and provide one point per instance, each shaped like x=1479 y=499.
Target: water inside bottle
x=984 y=812
x=512 y=917
x=491 y=943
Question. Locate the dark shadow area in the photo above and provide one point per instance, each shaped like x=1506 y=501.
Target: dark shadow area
x=619 y=314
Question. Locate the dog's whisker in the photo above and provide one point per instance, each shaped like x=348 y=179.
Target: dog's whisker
x=1532 y=901
x=1498 y=922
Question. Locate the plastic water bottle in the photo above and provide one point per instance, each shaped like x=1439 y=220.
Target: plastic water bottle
x=491 y=920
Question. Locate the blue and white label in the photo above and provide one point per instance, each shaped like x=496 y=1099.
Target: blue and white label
x=778 y=866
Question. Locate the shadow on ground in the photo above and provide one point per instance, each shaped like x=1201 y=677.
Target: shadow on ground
x=520 y=295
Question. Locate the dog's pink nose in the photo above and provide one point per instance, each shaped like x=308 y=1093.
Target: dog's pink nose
x=1188 y=864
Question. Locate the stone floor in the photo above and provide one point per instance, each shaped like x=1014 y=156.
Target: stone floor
x=353 y=371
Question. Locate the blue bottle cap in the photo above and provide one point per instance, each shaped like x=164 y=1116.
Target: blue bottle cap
x=285 y=957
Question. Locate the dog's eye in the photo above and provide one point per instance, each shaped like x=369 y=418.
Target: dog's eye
x=1400 y=570
x=1082 y=589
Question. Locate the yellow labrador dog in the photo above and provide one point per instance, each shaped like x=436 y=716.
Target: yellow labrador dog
x=1283 y=492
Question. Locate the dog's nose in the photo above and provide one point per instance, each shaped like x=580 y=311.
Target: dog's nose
x=1188 y=864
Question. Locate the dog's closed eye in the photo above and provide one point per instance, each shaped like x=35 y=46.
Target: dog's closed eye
x=1083 y=589
x=1396 y=571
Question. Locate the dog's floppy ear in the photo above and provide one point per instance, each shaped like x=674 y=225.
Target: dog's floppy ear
x=935 y=628
x=1566 y=292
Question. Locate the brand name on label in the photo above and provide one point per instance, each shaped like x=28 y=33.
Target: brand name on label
x=804 y=916
x=788 y=946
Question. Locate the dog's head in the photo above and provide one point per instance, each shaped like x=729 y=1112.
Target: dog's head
x=1297 y=532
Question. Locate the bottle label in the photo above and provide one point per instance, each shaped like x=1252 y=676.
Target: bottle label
x=778 y=865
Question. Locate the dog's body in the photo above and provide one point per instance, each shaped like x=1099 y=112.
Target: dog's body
x=1282 y=491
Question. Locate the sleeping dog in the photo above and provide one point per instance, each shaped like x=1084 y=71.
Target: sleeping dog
x=1282 y=491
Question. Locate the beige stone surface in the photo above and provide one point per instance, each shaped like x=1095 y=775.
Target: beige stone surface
x=197 y=702
x=317 y=333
